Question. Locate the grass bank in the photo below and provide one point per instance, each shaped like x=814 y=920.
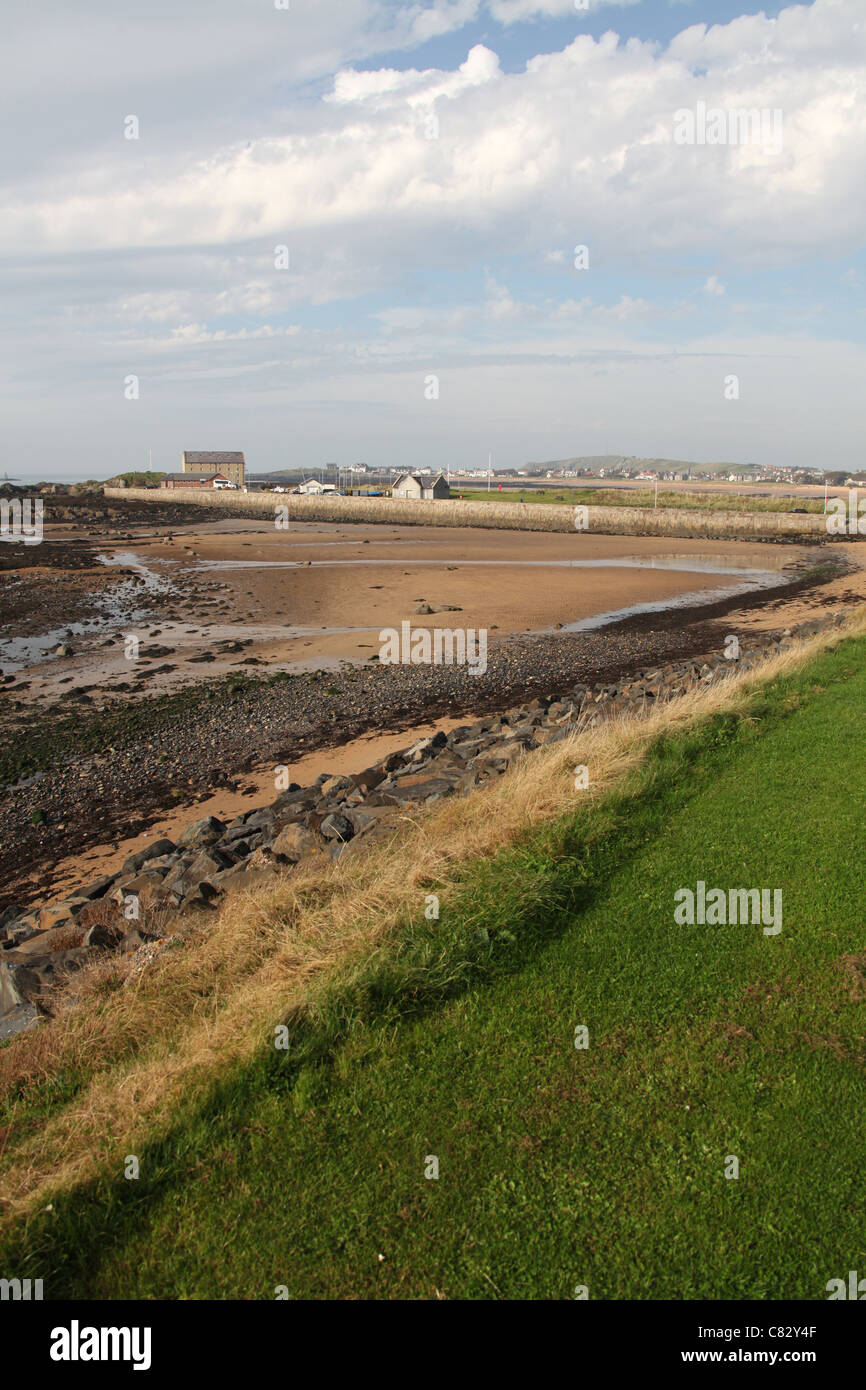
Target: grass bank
x=646 y=497
x=455 y=1038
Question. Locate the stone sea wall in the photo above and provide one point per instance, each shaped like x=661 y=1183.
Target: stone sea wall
x=504 y=516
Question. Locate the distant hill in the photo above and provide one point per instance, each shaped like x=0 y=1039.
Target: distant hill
x=143 y=479
x=289 y=473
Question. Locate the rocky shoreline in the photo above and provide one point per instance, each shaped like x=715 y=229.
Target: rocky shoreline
x=89 y=791
x=167 y=881
x=94 y=776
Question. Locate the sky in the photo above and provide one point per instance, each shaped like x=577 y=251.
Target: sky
x=413 y=234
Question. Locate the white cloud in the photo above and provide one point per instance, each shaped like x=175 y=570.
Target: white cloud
x=387 y=88
x=578 y=145
x=518 y=11
x=199 y=333
x=626 y=308
x=158 y=255
x=431 y=22
x=500 y=301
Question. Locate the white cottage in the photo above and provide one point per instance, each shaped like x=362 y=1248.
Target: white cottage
x=415 y=488
x=313 y=486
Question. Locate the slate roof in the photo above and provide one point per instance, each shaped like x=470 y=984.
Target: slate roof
x=193 y=457
x=197 y=477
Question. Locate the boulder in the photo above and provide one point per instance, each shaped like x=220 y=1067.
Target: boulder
x=335 y=785
x=505 y=752
x=227 y=877
x=143 y=885
x=393 y=761
x=11 y=997
x=205 y=865
x=77 y=904
x=296 y=798
x=22 y=929
x=18 y=1020
x=32 y=974
x=366 y=819
x=337 y=827
x=260 y=859
x=239 y=849
x=201 y=895
x=104 y=936
x=17 y=1014
x=201 y=833
x=53 y=915
x=422 y=748
x=55 y=939
x=368 y=780
x=236 y=833
x=177 y=871
x=296 y=842
x=141 y=857
x=462 y=732
x=428 y=789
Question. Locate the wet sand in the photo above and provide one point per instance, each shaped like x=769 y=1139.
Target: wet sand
x=319 y=594
x=97 y=767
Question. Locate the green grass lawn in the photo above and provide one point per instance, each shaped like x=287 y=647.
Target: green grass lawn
x=558 y=1167
x=641 y=497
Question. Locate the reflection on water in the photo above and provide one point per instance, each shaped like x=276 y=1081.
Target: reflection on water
x=694 y=564
x=688 y=600
x=128 y=560
x=121 y=606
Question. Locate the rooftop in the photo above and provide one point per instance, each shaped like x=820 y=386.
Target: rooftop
x=191 y=456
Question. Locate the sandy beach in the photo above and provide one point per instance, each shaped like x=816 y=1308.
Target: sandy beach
x=168 y=660
x=320 y=594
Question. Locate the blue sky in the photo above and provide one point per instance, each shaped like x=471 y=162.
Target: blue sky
x=649 y=20
x=430 y=169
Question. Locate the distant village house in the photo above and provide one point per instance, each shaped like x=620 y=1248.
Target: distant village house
x=416 y=488
x=210 y=480
x=312 y=487
x=230 y=465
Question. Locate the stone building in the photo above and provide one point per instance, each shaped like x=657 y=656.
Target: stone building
x=211 y=480
x=231 y=464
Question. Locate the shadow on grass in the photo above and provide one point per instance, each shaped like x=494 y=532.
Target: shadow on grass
x=504 y=912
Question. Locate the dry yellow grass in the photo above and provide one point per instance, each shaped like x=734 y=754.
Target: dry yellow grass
x=499 y=516
x=211 y=1004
